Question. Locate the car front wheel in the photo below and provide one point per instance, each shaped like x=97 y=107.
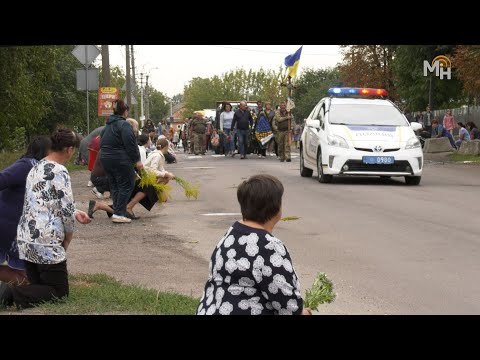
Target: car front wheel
x=412 y=180
x=321 y=176
x=304 y=172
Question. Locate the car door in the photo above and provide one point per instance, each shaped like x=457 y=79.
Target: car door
x=313 y=134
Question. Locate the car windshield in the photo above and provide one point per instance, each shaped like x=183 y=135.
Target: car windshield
x=364 y=114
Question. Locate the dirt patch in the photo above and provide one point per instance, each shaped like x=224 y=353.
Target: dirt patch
x=141 y=252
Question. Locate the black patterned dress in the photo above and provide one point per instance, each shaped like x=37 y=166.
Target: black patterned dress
x=251 y=273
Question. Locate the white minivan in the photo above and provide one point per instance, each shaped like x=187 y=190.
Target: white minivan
x=358 y=131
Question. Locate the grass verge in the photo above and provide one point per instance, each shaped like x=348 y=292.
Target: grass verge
x=102 y=294
x=462 y=158
x=8 y=158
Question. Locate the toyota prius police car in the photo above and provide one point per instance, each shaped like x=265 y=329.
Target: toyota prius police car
x=358 y=131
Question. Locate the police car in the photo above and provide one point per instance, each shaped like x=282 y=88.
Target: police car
x=358 y=131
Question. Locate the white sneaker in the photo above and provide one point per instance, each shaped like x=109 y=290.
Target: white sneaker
x=120 y=219
x=97 y=193
x=90 y=184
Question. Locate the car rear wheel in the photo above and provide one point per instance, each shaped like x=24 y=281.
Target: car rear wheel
x=304 y=172
x=321 y=176
x=412 y=180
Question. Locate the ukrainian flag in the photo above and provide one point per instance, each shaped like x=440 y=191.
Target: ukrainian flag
x=291 y=61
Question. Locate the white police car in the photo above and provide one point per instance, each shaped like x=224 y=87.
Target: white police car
x=357 y=131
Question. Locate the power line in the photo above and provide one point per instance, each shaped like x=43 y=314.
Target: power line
x=269 y=52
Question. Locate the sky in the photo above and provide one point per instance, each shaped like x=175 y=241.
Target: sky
x=171 y=67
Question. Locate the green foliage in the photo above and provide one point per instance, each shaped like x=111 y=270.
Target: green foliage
x=321 y=292
x=24 y=98
x=461 y=158
x=191 y=191
x=67 y=104
x=159 y=106
x=368 y=66
x=239 y=84
x=7 y=158
x=311 y=87
x=102 y=294
x=413 y=86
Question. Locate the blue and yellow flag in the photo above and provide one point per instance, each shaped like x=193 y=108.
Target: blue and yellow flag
x=291 y=61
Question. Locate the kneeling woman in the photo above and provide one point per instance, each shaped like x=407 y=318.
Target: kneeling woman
x=46 y=225
x=146 y=196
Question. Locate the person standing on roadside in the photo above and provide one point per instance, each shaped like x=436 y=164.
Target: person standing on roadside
x=281 y=126
x=119 y=154
x=449 y=122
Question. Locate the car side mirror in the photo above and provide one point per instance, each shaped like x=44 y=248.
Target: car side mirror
x=314 y=123
x=416 y=126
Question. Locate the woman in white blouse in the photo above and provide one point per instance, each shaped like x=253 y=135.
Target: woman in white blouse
x=46 y=226
x=156 y=162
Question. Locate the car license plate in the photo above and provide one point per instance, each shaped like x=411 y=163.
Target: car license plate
x=378 y=159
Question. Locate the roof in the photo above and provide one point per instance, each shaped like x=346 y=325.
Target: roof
x=358 y=101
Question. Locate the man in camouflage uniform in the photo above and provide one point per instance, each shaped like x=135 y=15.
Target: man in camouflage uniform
x=280 y=124
x=198 y=130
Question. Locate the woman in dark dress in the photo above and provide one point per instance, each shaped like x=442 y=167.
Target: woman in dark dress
x=12 y=193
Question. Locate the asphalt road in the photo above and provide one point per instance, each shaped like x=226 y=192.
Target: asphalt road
x=388 y=247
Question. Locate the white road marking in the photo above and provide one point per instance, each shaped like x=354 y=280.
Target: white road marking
x=222 y=214
x=197 y=167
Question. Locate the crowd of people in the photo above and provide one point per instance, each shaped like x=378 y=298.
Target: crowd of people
x=39 y=224
x=234 y=131
x=433 y=128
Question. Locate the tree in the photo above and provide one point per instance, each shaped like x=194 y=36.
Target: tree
x=413 y=87
x=177 y=99
x=239 y=84
x=24 y=98
x=466 y=61
x=369 y=66
x=159 y=107
x=312 y=86
x=67 y=104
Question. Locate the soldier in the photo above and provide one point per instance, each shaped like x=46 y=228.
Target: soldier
x=198 y=129
x=280 y=123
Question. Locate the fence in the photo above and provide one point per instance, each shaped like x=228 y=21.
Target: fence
x=462 y=114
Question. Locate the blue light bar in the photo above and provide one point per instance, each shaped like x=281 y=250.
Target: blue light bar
x=341 y=91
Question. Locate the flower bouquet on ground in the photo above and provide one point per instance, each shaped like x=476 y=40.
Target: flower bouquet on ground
x=149 y=178
x=321 y=292
x=191 y=191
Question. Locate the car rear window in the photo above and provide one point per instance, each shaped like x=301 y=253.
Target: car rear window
x=364 y=114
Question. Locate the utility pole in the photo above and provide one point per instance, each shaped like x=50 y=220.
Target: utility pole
x=134 y=90
x=147 y=101
x=142 y=117
x=430 y=94
x=105 y=66
x=86 y=88
x=129 y=90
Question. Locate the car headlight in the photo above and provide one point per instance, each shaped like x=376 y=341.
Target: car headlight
x=335 y=140
x=412 y=143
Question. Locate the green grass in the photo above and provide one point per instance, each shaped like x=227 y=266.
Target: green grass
x=8 y=158
x=462 y=158
x=70 y=164
x=102 y=294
